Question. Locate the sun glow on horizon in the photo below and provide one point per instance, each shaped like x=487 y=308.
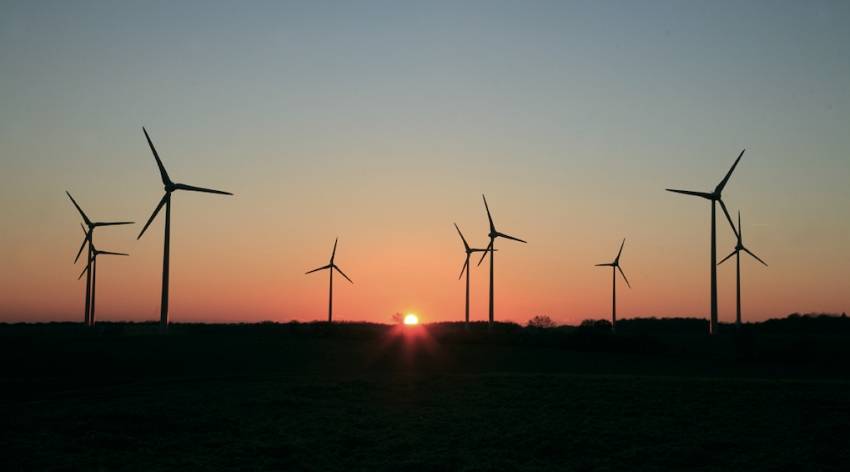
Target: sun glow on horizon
x=411 y=319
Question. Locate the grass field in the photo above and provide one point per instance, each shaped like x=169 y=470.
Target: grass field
x=363 y=397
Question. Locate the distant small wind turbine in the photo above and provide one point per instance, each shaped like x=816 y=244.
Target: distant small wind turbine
x=91 y=269
x=715 y=197
x=166 y=201
x=91 y=225
x=331 y=267
x=737 y=253
x=490 y=248
x=465 y=268
x=615 y=266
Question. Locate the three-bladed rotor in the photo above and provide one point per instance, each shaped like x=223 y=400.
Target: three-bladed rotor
x=331 y=265
x=90 y=225
x=494 y=233
x=170 y=186
x=468 y=250
x=616 y=263
x=739 y=246
x=96 y=252
x=717 y=194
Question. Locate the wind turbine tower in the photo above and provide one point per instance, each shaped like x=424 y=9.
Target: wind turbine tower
x=615 y=266
x=170 y=187
x=493 y=234
x=739 y=246
x=715 y=197
x=331 y=267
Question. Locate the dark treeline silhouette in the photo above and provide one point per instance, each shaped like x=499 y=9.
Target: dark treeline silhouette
x=810 y=323
x=796 y=338
x=793 y=324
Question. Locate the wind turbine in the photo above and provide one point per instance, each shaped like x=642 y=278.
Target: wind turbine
x=737 y=253
x=715 y=197
x=615 y=266
x=465 y=268
x=91 y=269
x=91 y=225
x=490 y=248
x=170 y=187
x=331 y=267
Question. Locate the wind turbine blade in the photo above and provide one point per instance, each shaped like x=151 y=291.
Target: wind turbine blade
x=82 y=246
x=333 y=253
x=84 y=271
x=318 y=269
x=192 y=188
x=690 y=192
x=506 y=236
x=605 y=265
x=487 y=251
x=624 y=276
x=109 y=253
x=757 y=257
x=153 y=215
x=727 y=257
x=621 y=249
x=723 y=182
x=465 y=245
x=82 y=213
x=342 y=273
x=165 y=179
x=489 y=218
x=114 y=223
x=728 y=217
x=465 y=267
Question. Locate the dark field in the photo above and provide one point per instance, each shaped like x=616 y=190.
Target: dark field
x=368 y=397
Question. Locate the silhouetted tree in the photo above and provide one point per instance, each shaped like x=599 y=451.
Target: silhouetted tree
x=541 y=321
x=397 y=318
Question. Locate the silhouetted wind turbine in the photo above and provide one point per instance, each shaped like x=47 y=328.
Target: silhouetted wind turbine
x=737 y=253
x=331 y=267
x=615 y=266
x=170 y=187
x=715 y=197
x=91 y=225
x=490 y=248
x=91 y=269
x=465 y=267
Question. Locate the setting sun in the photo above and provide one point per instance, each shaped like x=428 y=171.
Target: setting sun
x=411 y=319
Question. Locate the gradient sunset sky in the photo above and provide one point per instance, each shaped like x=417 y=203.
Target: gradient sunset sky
x=384 y=122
